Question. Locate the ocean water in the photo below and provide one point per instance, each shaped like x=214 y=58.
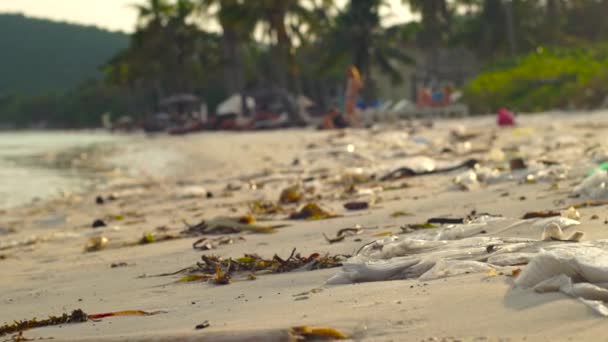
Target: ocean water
x=36 y=165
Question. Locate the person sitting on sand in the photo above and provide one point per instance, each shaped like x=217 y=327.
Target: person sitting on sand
x=333 y=119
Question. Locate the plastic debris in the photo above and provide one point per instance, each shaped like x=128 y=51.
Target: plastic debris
x=203 y=325
x=571 y=213
x=96 y=243
x=593 y=187
x=423 y=169
x=467 y=180
x=553 y=232
x=447 y=251
x=504 y=117
x=580 y=271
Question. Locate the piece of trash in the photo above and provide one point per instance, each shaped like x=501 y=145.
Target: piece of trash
x=445 y=220
x=593 y=187
x=316 y=333
x=96 y=243
x=408 y=172
x=99 y=200
x=571 y=213
x=98 y=223
x=467 y=180
x=311 y=211
x=118 y=264
x=504 y=117
x=517 y=164
x=206 y=244
x=579 y=271
x=553 y=232
x=203 y=325
x=356 y=205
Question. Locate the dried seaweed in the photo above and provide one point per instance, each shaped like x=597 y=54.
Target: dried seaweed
x=418 y=226
x=400 y=214
x=221 y=271
x=77 y=316
x=342 y=234
x=540 y=214
x=223 y=225
x=292 y=194
x=265 y=208
x=312 y=211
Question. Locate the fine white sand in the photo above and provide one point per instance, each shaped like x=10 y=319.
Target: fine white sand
x=159 y=182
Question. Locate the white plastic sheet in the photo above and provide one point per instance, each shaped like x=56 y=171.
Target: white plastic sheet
x=577 y=269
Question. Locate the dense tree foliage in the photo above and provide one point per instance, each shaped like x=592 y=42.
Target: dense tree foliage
x=301 y=46
x=39 y=55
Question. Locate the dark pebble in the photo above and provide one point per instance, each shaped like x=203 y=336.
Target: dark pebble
x=99 y=200
x=203 y=325
x=98 y=224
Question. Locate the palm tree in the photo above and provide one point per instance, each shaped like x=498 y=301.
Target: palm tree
x=153 y=13
x=358 y=38
x=436 y=19
x=237 y=20
x=284 y=20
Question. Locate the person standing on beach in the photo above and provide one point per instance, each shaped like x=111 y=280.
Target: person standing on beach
x=353 y=86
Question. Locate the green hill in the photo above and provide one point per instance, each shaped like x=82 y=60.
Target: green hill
x=40 y=56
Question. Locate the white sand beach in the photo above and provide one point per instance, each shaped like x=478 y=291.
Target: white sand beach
x=164 y=181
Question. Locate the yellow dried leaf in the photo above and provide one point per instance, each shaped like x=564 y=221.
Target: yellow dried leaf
x=515 y=272
x=319 y=332
x=193 y=277
x=384 y=233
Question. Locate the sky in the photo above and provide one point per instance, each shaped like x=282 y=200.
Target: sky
x=117 y=15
